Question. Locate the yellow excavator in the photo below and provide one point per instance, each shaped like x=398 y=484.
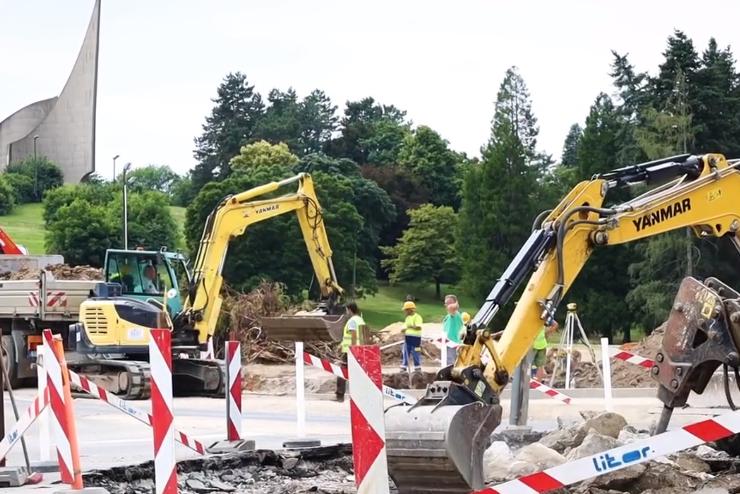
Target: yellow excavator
x=114 y=325
x=437 y=444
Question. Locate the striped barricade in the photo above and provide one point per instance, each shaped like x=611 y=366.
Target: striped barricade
x=640 y=451
x=160 y=359
x=368 y=422
x=341 y=371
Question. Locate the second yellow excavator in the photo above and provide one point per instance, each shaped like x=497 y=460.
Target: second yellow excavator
x=437 y=444
x=142 y=293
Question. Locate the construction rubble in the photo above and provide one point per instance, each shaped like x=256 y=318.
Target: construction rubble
x=705 y=469
x=57 y=271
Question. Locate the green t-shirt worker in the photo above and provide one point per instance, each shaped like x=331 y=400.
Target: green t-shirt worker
x=540 y=350
x=355 y=333
x=452 y=324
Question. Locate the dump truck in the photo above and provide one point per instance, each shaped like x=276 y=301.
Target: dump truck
x=27 y=306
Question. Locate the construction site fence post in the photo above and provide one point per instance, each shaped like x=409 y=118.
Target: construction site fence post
x=606 y=373
x=300 y=391
x=368 y=420
x=234 y=391
x=160 y=360
x=65 y=425
x=43 y=420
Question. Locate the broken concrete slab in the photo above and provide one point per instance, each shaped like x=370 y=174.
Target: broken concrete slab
x=533 y=458
x=496 y=461
x=593 y=443
x=607 y=424
x=560 y=439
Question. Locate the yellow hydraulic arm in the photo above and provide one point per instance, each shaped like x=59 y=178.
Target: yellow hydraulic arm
x=705 y=197
x=230 y=219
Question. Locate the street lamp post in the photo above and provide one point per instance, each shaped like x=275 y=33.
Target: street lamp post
x=35 y=170
x=126 y=168
x=114 y=166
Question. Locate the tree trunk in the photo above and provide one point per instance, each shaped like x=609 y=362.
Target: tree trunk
x=627 y=335
x=439 y=288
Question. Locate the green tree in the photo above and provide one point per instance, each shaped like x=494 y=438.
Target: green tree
x=499 y=196
x=232 y=122
x=7 y=196
x=282 y=119
x=182 y=192
x=426 y=250
x=22 y=186
x=425 y=154
x=45 y=174
x=150 y=223
x=318 y=122
x=82 y=233
x=159 y=178
x=360 y=127
x=262 y=153
x=570 y=147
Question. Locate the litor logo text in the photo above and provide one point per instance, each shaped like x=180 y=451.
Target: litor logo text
x=606 y=461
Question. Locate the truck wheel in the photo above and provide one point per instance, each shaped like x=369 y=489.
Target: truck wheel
x=9 y=361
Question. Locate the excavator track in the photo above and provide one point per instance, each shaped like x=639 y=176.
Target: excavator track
x=198 y=377
x=127 y=379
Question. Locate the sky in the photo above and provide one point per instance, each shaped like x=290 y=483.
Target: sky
x=441 y=61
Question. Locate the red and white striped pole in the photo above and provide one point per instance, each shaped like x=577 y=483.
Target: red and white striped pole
x=366 y=415
x=62 y=407
x=234 y=396
x=160 y=361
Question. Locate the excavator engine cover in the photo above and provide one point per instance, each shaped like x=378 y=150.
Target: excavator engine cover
x=437 y=445
x=305 y=326
x=699 y=337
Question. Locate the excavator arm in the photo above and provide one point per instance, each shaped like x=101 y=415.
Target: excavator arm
x=437 y=445
x=230 y=219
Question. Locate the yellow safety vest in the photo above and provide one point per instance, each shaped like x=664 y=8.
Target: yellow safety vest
x=357 y=322
x=540 y=343
x=413 y=320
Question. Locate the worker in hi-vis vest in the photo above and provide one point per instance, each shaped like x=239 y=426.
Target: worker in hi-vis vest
x=540 y=350
x=355 y=333
x=412 y=337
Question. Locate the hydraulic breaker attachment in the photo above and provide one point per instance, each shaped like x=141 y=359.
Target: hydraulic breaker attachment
x=305 y=326
x=702 y=332
x=437 y=445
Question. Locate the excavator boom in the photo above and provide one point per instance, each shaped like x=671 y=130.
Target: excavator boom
x=454 y=420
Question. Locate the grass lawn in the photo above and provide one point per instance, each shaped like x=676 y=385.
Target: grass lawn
x=25 y=225
x=384 y=307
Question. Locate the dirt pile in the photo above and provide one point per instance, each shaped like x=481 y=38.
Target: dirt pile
x=326 y=470
x=624 y=375
x=242 y=313
x=57 y=271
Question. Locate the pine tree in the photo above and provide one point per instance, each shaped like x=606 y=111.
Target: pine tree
x=599 y=147
x=499 y=197
x=232 y=122
x=570 y=147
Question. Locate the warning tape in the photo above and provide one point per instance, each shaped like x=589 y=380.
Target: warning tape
x=341 y=371
x=106 y=396
x=611 y=460
x=25 y=421
x=632 y=358
x=547 y=390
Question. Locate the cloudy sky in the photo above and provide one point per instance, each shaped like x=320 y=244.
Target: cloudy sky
x=441 y=61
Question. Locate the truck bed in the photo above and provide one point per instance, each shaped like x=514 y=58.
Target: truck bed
x=44 y=298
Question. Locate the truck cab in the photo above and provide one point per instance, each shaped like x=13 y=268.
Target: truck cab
x=145 y=275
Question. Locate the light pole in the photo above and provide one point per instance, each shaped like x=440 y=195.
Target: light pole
x=126 y=168
x=114 y=166
x=35 y=169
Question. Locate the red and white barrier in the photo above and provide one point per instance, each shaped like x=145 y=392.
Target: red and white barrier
x=43 y=419
x=234 y=395
x=341 y=371
x=639 y=451
x=63 y=419
x=632 y=358
x=160 y=360
x=367 y=416
x=89 y=387
x=547 y=390
x=25 y=421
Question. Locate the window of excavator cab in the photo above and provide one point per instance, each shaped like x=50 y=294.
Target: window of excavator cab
x=180 y=267
x=138 y=273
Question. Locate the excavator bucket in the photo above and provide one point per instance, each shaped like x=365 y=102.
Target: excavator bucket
x=305 y=326
x=437 y=447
